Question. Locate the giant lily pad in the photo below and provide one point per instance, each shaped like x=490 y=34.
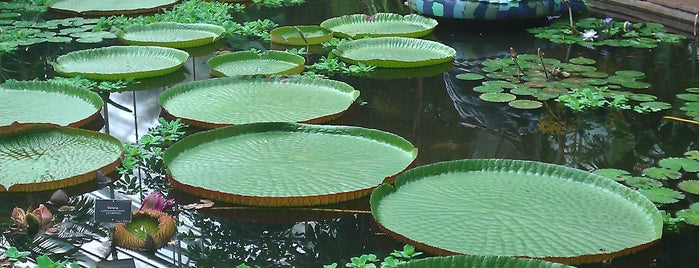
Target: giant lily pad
x=108 y=7
x=45 y=102
x=286 y=164
x=39 y=157
x=254 y=63
x=239 y=100
x=379 y=25
x=395 y=52
x=300 y=35
x=121 y=62
x=516 y=208
x=171 y=34
x=476 y=261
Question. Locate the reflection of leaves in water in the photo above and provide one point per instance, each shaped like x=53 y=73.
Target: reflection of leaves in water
x=300 y=244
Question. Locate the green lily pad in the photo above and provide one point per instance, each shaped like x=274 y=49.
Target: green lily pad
x=694 y=154
x=45 y=102
x=688 y=96
x=642 y=182
x=300 y=35
x=630 y=73
x=612 y=173
x=499 y=83
x=497 y=97
x=89 y=40
x=692 y=90
x=469 y=76
x=662 y=195
x=635 y=84
x=690 y=216
x=515 y=208
x=171 y=34
x=690 y=186
x=642 y=97
x=239 y=100
x=657 y=105
x=595 y=74
x=395 y=52
x=120 y=62
x=40 y=157
x=524 y=91
x=274 y=163
x=253 y=63
x=582 y=60
x=661 y=173
x=525 y=104
x=380 y=25
x=488 y=89
x=677 y=163
x=107 y=7
x=475 y=261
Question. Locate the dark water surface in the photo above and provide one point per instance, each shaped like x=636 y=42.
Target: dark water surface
x=441 y=116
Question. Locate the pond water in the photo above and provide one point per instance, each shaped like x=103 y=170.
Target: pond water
x=440 y=115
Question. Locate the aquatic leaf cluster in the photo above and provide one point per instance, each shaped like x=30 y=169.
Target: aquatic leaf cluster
x=25 y=33
x=371 y=261
x=145 y=158
x=577 y=84
x=691 y=102
x=655 y=183
x=607 y=32
x=276 y=3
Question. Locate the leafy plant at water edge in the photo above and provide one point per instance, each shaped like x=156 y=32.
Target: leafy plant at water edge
x=370 y=260
x=591 y=98
x=46 y=262
x=13 y=255
x=97 y=86
x=145 y=158
x=257 y=28
x=331 y=66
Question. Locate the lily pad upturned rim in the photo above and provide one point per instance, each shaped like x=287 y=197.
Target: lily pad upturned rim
x=62 y=63
x=273 y=55
x=479 y=261
x=446 y=53
x=166 y=230
x=205 y=137
x=289 y=35
x=426 y=24
x=73 y=8
x=508 y=166
x=24 y=129
x=43 y=86
x=214 y=33
x=238 y=80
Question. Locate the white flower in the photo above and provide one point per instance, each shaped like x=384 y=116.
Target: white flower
x=589 y=35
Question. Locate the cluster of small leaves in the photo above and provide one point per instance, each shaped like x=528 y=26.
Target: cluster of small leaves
x=592 y=98
x=12 y=254
x=691 y=102
x=46 y=262
x=257 y=28
x=97 y=86
x=331 y=66
x=607 y=32
x=146 y=157
x=276 y=3
x=19 y=33
x=370 y=260
x=651 y=185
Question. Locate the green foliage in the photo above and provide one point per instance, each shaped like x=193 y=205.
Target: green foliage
x=46 y=262
x=370 y=260
x=670 y=222
x=276 y=3
x=146 y=157
x=588 y=98
x=14 y=255
x=331 y=66
x=97 y=86
x=606 y=32
x=257 y=28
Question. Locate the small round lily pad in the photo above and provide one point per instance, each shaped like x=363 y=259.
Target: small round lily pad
x=662 y=195
x=630 y=73
x=612 y=173
x=497 y=97
x=635 y=84
x=582 y=60
x=595 y=74
x=488 y=89
x=524 y=91
x=659 y=105
x=642 y=97
x=525 y=104
x=690 y=186
x=688 y=97
x=469 y=76
x=662 y=173
x=692 y=90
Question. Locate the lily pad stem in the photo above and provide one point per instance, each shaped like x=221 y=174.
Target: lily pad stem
x=541 y=57
x=681 y=119
x=570 y=17
x=513 y=54
x=304 y=40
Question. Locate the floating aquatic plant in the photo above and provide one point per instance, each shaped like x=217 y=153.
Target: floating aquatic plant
x=607 y=32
